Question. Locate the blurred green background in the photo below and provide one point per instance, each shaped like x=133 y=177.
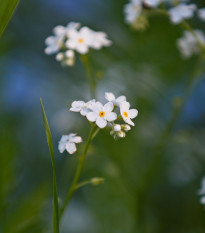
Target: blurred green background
x=147 y=189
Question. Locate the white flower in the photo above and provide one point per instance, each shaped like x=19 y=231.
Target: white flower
x=132 y=11
x=201 y=14
x=54 y=44
x=202 y=200
x=79 y=40
x=189 y=44
x=67 y=142
x=152 y=3
x=101 y=114
x=127 y=113
x=181 y=12
x=116 y=101
x=202 y=190
x=82 y=107
x=99 y=40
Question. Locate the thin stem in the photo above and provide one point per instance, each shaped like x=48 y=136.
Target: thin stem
x=81 y=162
x=89 y=75
x=164 y=138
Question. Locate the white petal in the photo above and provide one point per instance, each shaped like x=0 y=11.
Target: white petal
x=78 y=104
x=92 y=116
x=128 y=121
x=109 y=96
x=108 y=107
x=97 y=107
x=84 y=111
x=132 y=113
x=61 y=147
x=121 y=99
x=101 y=122
x=71 y=147
x=76 y=139
x=124 y=106
x=111 y=116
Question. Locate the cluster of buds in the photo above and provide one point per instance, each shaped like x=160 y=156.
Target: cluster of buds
x=74 y=38
x=119 y=131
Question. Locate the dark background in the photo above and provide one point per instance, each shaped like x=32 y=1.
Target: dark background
x=141 y=194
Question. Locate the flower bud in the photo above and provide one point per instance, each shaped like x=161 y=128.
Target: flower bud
x=97 y=180
x=117 y=128
x=126 y=127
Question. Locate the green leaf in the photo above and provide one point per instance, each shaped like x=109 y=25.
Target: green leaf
x=7 y=8
x=55 y=195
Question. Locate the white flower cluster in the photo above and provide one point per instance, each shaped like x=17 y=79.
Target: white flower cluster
x=115 y=109
x=190 y=43
x=74 y=38
x=133 y=11
x=202 y=191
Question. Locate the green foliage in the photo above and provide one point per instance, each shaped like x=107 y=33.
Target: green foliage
x=7 y=8
x=55 y=195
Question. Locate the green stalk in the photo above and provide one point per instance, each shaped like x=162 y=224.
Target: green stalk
x=166 y=134
x=81 y=162
x=89 y=75
x=55 y=193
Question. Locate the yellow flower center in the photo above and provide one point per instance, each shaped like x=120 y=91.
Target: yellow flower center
x=80 y=40
x=125 y=114
x=101 y=114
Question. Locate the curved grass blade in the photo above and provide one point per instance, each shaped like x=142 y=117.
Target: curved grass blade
x=55 y=194
x=7 y=8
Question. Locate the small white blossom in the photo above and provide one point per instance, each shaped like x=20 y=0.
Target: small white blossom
x=116 y=101
x=82 y=107
x=189 y=44
x=54 y=44
x=67 y=142
x=181 y=12
x=152 y=3
x=201 y=14
x=202 y=189
x=132 y=11
x=102 y=114
x=127 y=113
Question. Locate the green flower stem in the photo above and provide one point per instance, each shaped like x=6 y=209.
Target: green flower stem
x=78 y=171
x=165 y=136
x=89 y=75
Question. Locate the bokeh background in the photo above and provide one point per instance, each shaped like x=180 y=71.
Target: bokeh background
x=141 y=194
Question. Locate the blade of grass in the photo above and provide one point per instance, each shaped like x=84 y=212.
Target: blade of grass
x=7 y=8
x=55 y=194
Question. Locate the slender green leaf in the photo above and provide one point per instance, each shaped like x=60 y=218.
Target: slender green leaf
x=55 y=195
x=7 y=8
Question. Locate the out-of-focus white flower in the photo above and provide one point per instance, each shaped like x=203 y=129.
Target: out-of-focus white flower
x=127 y=113
x=118 y=131
x=152 y=3
x=67 y=142
x=86 y=38
x=54 y=44
x=116 y=101
x=79 y=40
x=202 y=200
x=82 y=107
x=201 y=14
x=102 y=114
x=202 y=189
x=189 y=44
x=132 y=11
x=181 y=12
x=99 y=40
